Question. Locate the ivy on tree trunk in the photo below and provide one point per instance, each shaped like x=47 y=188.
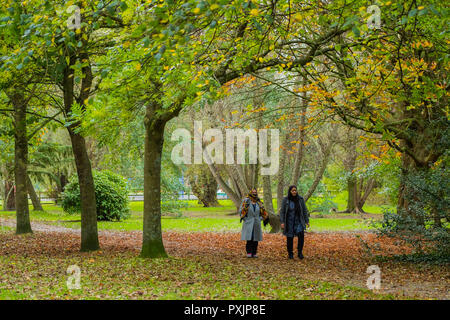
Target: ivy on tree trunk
x=23 y=224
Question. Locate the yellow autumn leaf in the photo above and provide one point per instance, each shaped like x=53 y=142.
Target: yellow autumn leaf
x=297 y=17
x=254 y=12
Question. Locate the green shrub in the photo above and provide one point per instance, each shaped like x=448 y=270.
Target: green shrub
x=426 y=226
x=111 y=195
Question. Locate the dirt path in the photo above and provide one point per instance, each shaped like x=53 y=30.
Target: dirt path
x=337 y=257
x=39 y=227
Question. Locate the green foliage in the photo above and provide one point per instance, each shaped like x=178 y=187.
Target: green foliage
x=425 y=225
x=171 y=187
x=322 y=202
x=111 y=194
x=388 y=176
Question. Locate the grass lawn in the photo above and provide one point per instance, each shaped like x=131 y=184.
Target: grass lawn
x=195 y=218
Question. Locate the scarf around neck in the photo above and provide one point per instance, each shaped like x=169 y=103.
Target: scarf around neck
x=246 y=203
x=296 y=201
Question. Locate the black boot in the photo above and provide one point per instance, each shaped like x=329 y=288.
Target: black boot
x=290 y=247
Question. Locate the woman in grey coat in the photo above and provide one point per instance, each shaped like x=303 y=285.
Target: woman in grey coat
x=294 y=218
x=252 y=212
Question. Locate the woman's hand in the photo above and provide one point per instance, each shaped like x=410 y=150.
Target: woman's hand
x=282 y=226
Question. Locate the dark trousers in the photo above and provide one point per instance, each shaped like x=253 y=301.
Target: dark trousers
x=290 y=243
x=251 y=247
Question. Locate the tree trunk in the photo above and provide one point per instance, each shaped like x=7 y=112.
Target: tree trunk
x=37 y=206
x=299 y=156
x=225 y=187
x=152 y=243
x=203 y=185
x=62 y=182
x=210 y=195
x=9 y=203
x=206 y=197
x=23 y=224
x=60 y=186
x=367 y=191
x=280 y=185
x=403 y=205
x=326 y=151
x=238 y=171
x=349 y=163
x=274 y=219
x=351 y=196
x=267 y=193
x=89 y=231
x=254 y=173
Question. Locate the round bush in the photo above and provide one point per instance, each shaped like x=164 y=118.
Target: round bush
x=111 y=194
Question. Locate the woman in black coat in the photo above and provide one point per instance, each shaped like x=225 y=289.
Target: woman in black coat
x=294 y=218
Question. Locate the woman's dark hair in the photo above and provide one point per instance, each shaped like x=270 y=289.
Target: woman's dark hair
x=295 y=200
x=290 y=197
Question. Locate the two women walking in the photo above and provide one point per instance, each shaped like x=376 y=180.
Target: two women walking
x=294 y=218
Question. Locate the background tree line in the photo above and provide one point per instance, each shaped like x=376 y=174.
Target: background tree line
x=313 y=69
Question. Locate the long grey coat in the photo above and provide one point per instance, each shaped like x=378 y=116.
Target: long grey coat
x=304 y=214
x=251 y=222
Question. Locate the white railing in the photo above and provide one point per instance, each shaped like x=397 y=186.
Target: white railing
x=140 y=197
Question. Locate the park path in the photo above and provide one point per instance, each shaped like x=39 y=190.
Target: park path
x=38 y=226
x=337 y=257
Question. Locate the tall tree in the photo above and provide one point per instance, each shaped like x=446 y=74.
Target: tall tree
x=19 y=103
x=73 y=37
